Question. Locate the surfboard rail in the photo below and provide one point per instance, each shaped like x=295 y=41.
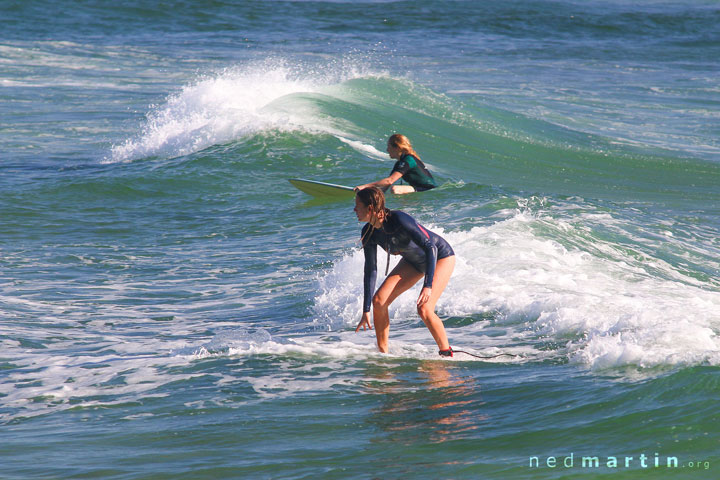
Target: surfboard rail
x=322 y=189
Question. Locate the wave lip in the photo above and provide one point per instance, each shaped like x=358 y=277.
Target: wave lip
x=218 y=109
x=241 y=101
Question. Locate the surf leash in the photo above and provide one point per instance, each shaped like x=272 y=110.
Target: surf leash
x=449 y=353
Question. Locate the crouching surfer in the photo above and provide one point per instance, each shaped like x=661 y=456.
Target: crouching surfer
x=424 y=255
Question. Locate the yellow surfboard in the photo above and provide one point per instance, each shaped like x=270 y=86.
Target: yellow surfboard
x=322 y=189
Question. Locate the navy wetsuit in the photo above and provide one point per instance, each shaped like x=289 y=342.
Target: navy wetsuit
x=414 y=173
x=401 y=234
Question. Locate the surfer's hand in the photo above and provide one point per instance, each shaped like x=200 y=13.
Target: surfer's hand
x=364 y=322
x=424 y=296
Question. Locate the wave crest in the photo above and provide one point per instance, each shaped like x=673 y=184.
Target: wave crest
x=233 y=103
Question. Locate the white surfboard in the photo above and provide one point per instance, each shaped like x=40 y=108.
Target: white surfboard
x=322 y=189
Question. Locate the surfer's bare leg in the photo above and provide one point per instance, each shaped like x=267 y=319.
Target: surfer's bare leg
x=402 y=277
x=443 y=270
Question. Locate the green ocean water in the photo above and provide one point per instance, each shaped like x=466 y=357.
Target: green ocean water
x=171 y=307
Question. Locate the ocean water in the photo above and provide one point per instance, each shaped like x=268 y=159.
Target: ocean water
x=171 y=307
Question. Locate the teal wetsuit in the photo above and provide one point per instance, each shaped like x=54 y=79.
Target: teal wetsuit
x=414 y=173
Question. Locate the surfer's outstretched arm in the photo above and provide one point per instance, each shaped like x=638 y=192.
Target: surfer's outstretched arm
x=383 y=184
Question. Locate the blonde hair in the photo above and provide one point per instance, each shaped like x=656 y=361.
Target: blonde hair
x=401 y=142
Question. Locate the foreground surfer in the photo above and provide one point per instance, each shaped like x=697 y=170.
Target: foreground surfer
x=424 y=254
x=408 y=166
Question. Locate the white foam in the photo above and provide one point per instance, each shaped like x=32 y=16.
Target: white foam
x=604 y=305
x=228 y=105
x=71 y=381
x=365 y=149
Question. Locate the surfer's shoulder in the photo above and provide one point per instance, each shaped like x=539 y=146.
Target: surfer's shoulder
x=399 y=216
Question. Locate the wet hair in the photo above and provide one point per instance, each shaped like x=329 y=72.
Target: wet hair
x=373 y=197
x=403 y=143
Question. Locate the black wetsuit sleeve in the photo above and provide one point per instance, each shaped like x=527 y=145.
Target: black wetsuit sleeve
x=421 y=238
x=370 y=272
x=401 y=166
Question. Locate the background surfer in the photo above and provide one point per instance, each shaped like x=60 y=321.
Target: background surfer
x=408 y=166
x=424 y=254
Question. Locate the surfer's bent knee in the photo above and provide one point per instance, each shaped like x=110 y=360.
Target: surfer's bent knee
x=378 y=302
x=425 y=311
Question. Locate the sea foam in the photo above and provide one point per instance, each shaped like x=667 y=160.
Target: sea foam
x=231 y=104
x=599 y=305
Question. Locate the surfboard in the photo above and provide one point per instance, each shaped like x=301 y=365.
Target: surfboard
x=322 y=189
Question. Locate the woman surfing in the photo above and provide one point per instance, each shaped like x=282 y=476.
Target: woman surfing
x=424 y=255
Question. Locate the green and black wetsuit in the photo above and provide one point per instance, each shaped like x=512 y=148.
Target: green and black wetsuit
x=414 y=173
